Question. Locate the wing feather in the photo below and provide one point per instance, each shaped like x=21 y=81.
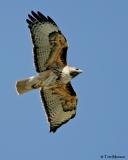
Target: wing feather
x=50 y=45
x=60 y=105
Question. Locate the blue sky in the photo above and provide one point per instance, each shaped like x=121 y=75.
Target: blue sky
x=97 y=32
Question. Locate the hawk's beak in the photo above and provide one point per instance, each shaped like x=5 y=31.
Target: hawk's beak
x=80 y=71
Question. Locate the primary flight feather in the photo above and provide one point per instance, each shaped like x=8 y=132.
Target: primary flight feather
x=54 y=75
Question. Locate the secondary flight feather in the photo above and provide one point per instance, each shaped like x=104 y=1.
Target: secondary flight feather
x=54 y=74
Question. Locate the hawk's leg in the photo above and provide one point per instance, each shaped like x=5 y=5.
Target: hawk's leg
x=37 y=85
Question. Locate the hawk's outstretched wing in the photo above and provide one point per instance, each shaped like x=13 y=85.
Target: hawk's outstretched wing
x=50 y=46
x=60 y=104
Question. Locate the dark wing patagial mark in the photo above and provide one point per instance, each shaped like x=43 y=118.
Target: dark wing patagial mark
x=58 y=52
x=63 y=56
x=70 y=89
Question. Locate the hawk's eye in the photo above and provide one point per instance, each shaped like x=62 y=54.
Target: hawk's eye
x=77 y=69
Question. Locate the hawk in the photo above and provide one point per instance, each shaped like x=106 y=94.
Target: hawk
x=53 y=74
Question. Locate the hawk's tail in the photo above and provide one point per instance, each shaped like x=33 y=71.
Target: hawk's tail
x=26 y=85
x=23 y=86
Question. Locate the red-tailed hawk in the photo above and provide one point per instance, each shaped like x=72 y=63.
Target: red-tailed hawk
x=54 y=75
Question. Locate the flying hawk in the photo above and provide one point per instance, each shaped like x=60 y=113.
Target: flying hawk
x=54 y=75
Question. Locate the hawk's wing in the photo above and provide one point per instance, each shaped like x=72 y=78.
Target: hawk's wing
x=60 y=104
x=50 y=46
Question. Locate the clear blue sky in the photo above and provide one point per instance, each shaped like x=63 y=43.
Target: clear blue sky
x=97 y=32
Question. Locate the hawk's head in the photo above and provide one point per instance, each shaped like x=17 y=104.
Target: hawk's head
x=71 y=71
x=74 y=71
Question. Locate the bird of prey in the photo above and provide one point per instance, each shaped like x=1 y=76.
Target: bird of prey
x=53 y=74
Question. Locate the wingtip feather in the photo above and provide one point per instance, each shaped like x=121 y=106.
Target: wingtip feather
x=28 y=21
x=53 y=130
